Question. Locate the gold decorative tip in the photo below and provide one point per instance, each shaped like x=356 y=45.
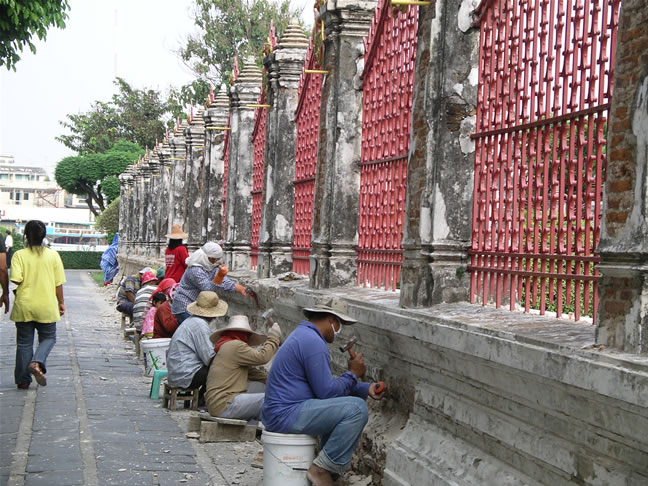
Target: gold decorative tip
x=315 y=71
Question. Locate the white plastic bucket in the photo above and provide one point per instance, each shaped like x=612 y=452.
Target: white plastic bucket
x=286 y=458
x=155 y=354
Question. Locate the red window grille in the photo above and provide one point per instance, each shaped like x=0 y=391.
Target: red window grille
x=258 y=143
x=308 y=116
x=544 y=91
x=388 y=83
x=226 y=154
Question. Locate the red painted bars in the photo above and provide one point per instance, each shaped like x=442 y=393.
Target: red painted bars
x=388 y=82
x=307 y=116
x=258 y=166
x=545 y=86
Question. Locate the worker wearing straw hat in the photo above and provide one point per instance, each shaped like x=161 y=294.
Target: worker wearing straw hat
x=190 y=351
x=175 y=254
x=235 y=385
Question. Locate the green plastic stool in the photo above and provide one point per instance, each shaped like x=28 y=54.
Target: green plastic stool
x=158 y=375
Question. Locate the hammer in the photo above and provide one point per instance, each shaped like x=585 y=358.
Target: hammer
x=349 y=345
x=267 y=316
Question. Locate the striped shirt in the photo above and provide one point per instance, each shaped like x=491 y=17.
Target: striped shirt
x=142 y=305
x=195 y=280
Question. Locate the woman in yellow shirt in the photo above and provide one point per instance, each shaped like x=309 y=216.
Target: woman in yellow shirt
x=38 y=272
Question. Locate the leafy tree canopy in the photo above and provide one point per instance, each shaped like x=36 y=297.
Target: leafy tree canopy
x=108 y=220
x=133 y=114
x=228 y=28
x=95 y=175
x=21 y=20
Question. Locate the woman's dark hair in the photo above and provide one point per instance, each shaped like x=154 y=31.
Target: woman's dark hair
x=34 y=233
x=173 y=244
x=159 y=297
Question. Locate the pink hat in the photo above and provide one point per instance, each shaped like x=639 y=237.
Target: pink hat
x=147 y=277
x=164 y=286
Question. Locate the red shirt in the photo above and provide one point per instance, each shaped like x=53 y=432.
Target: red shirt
x=175 y=262
x=164 y=322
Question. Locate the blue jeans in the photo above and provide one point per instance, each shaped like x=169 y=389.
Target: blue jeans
x=339 y=423
x=25 y=347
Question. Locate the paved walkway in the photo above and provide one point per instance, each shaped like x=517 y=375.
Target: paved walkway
x=94 y=423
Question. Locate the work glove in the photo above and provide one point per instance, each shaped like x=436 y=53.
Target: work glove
x=275 y=332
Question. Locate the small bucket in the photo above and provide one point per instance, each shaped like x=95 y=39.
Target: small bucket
x=286 y=458
x=155 y=354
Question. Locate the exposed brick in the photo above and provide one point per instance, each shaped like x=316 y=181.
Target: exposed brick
x=627 y=295
x=620 y=186
x=616 y=216
x=615 y=307
x=613 y=203
x=621 y=154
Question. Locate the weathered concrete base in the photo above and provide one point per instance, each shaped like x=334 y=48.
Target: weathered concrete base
x=623 y=319
x=423 y=454
x=333 y=265
x=274 y=260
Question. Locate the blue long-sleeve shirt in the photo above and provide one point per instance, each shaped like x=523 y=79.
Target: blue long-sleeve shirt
x=195 y=280
x=301 y=370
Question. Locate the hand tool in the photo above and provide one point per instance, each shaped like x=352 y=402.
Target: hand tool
x=380 y=387
x=253 y=294
x=349 y=345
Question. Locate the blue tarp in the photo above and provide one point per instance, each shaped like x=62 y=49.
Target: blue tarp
x=109 y=261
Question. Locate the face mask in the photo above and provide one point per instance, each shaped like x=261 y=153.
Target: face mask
x=336 y=333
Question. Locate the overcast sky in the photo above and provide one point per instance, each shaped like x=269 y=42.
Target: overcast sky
x=132 y=39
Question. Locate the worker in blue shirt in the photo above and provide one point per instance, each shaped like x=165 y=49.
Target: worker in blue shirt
x=303 y=397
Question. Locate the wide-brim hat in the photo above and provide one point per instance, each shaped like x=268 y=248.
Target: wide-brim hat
x=145 y=269
x=323 y=309
x=177 y=233
x=208 y=305
x=239 y=323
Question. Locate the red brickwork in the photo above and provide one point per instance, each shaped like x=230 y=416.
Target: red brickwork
x=631 y=63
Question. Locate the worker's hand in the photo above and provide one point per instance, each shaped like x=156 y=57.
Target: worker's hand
x=275 y=332
x=61 y=307
x=5 y=302
x=356 y=365
x=240 y=289
x=377 y=390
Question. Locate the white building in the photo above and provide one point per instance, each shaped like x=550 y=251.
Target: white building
x=28 y=193
x=31 y=187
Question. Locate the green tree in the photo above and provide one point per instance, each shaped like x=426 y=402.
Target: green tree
x=178 y=99
x=108 y=220
x=95 y=175
x=227 y=28
x=21 y=20
x=132 y=114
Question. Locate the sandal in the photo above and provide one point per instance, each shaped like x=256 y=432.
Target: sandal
x=39 y=376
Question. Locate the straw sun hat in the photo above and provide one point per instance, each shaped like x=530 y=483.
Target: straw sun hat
x=208 y=305
x=177 y=233
x=239 y=323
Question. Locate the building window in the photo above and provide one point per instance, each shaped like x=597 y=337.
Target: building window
x=25 y=196
x=4 y=177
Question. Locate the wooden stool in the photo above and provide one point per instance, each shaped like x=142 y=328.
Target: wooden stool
x=171 y=395
x=125 y=316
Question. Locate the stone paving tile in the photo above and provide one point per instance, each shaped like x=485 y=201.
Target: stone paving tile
x=67 y=478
